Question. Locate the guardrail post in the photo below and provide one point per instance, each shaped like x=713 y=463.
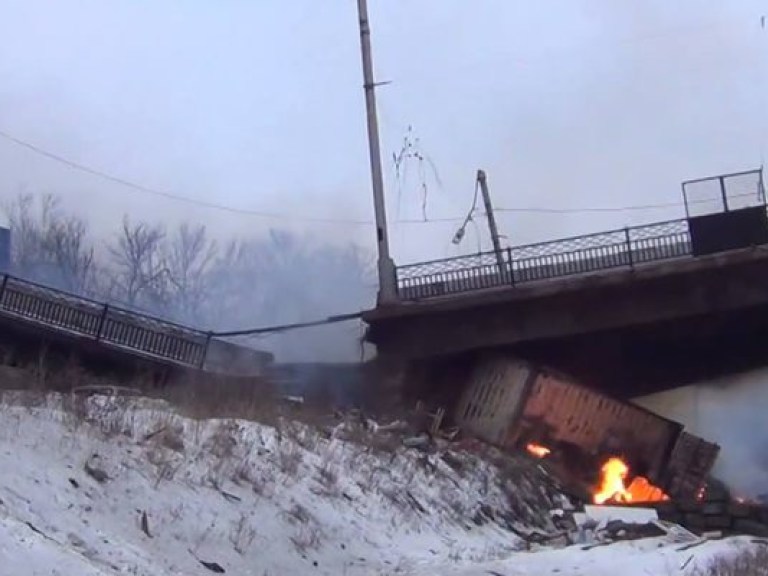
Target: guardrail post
x=2 y=287
x=102 y=321
x=511 y=266
x=629 y=247
x=397 y=282
x=203 y=358
x=723 y=194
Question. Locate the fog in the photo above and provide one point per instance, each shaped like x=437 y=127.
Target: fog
x=258 y=107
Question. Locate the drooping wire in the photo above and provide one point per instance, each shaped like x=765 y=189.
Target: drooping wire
x=411 y=150
x=459 y=235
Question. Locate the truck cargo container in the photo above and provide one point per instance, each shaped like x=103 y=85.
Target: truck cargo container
x=512 y=403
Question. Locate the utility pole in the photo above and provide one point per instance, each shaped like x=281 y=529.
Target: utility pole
x=387 y=281
x=481 y=179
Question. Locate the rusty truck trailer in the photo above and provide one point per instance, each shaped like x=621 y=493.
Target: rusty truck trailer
x=511 y=403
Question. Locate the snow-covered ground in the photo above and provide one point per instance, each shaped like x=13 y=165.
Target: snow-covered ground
x=130 y=487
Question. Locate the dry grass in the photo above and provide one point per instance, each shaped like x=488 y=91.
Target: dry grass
x=203 y=396
x=299 y=514
x=243 y=535
x=746 y=563
x=328 y=472
x=307 y=538
x=289 y=459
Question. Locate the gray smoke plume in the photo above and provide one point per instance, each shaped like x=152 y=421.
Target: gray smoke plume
x=730 y=411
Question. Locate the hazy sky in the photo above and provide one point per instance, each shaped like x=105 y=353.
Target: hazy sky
x=258 y=105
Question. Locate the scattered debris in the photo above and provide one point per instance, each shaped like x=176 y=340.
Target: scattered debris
x=298 y=400
x=151 y=435
x=212 y=566
x=230 y=497
x=606 y=514
x=691 y=545
x=416 y=441
x=106 y=390
x=396 y=426
x=415 y=503
x=36 y=530
x=676 y=534
x=145 y=524
x=96 y=473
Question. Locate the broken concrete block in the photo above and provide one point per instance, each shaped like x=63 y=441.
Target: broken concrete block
x=630 y=515
x=739 y=509
x=723 y=521
x=751 y=527
x=715 y=508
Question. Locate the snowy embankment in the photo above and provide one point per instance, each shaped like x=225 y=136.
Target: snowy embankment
x=102 y=487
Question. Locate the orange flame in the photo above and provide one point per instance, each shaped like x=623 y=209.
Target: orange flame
x=613 y=487
x=538 y=450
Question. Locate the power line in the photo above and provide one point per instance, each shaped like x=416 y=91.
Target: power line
x=535 y=210
x=281 y=216
x=203 y=203
x=636 y=208
x=155 y=192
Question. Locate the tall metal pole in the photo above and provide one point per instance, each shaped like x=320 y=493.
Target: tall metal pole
x=491 y=219
x=387 y=281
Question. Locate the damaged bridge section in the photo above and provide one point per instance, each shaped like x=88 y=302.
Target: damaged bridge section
x=39 y=323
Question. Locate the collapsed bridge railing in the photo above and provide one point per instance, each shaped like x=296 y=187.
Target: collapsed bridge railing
x=110 y=326
x=621 y=248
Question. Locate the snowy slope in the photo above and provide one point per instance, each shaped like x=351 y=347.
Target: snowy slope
x=253 y=500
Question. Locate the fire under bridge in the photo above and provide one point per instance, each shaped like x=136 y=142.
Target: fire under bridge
x=628 y=311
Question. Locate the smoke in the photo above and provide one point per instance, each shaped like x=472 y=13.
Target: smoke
x=729 y=411
x=186 y=275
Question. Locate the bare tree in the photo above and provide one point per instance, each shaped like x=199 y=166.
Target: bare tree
x=50 y=246
x=189 y=256
x=235 y=284
x=140 y=275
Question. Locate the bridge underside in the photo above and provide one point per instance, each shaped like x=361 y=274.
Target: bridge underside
x=642 y=360
x=627 y=333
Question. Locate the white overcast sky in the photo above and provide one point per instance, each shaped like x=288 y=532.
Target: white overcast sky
x=257 y=104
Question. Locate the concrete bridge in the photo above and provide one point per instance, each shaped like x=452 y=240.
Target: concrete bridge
x=630 y=311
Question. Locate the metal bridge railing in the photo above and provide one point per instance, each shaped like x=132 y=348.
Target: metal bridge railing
x=545 y=260
x=109 y=325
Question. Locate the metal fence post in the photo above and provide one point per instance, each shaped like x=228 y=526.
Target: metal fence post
x=2 y=288
x=723 y=193
x=207 y=345
x=397 y=282
x=102 y=321
x=629 y=247
x=511 y=266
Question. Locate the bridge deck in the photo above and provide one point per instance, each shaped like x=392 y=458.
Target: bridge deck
x=74 y=318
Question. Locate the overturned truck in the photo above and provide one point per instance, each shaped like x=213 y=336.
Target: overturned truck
x=515 y=405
